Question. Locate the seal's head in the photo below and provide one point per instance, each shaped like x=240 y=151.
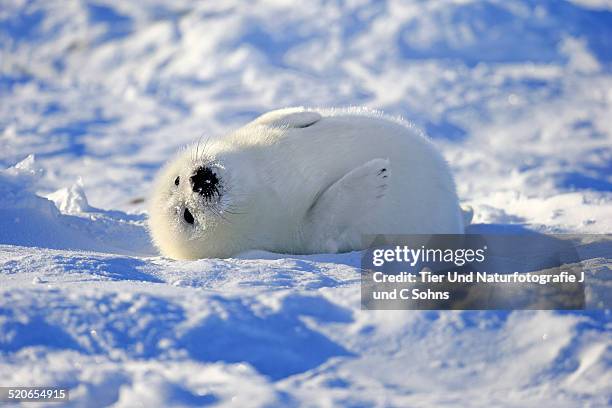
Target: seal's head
x=191 y=200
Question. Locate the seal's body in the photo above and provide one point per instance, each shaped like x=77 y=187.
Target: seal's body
x=303 y=181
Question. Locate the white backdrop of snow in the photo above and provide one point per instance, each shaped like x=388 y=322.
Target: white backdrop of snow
x=518 y=95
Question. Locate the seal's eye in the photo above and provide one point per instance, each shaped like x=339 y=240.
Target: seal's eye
x=205 y=182
x=177 y=180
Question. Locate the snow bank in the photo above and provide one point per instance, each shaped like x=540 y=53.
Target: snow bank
x=27 y=219
x=281 y=330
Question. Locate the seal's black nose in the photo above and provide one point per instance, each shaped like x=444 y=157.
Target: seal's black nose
x=205 y=182
x=188 y=216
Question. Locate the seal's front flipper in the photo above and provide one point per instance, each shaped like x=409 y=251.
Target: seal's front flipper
x=343 y=212
x=290 y=117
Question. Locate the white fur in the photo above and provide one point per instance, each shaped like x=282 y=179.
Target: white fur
x=303 y=181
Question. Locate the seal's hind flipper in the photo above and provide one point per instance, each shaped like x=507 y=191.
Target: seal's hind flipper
x=345 y=209
x=290 y=117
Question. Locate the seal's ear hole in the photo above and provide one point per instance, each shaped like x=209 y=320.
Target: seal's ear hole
x=177 y=180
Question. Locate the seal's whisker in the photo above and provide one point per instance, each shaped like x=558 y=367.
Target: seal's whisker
x=230 y=209
x=205 y=147
x=198 y=147
x=219 y=214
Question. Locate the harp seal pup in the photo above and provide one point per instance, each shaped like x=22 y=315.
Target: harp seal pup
x=303 y=181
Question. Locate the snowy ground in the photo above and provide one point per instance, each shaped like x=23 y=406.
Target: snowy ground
x=518 y=95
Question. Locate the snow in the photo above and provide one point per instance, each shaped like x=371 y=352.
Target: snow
x=96 y=96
